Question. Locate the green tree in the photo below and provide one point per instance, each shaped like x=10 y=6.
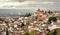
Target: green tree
x=1 y=19
x=49 y=11
x=7 y=33
x=52 y=18
x=26 y=33
x=28 y=14
x=33 y=32
x=54 y=32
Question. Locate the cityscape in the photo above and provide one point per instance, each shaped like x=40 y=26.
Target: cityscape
x=37 y=23
x=29 y=17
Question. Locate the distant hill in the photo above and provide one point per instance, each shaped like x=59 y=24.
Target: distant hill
x=15 y=11
x=57 y=11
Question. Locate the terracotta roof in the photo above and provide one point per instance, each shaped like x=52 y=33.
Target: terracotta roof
x=41 y=18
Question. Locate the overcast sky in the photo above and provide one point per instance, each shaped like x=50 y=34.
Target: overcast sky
x=30 y=4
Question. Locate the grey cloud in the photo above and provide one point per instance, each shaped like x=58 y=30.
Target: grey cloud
x=30 y=0
x=44 y=6
x=13 y=0
x=21 y=0
x=39 y=0
x=18 y=0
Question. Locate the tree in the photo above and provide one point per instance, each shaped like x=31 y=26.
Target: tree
x=28 y=14
x=33 y=32
x=22 y=24
x=1 y=19
x=54 y=32
x=49 y=11
x=26 y=33
x=7 y=33
x=52 y=18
